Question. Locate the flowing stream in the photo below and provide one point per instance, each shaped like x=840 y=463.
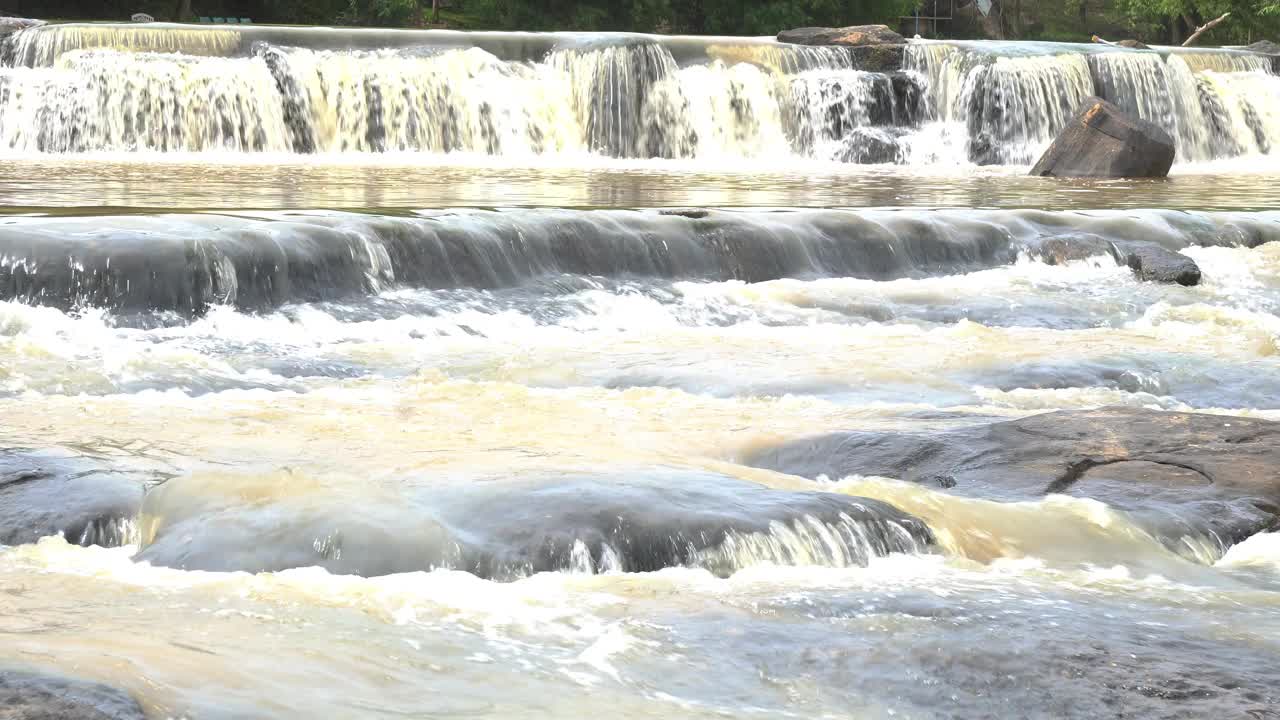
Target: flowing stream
x=390 y=373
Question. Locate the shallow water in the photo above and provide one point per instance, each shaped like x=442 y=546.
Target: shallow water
x=1060 y=607
x=351 y=358
x=407 y=182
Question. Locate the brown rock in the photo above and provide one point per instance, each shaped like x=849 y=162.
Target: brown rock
x=1102 y=141
x=1212 y=474
x=852 y=36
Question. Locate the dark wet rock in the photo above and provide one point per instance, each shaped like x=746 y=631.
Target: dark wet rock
x=1102 y=141
x=90 y=499
x=1266 y=47
x=908 y=98
x=879 y=58
x=1154 y=263
x=1149 y=261
x=1133 y=44
x=28 y=695
x=1072 y=247
x=691 y=213
x=509 y=528
x=1182 y=473
x=870 y=146
x=851 y=36
x=1120 y=374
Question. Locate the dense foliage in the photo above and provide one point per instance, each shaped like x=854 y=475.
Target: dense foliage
x=694 y=16
x=1174 y=20
x=1160 y=21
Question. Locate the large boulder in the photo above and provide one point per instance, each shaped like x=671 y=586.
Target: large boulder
x=29 y=695
x=852 y=36
x=1179 y=473
x=91 y=500
x=1102 y=141
x=503 y=529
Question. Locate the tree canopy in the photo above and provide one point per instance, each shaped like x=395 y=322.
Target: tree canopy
x=1157 y=21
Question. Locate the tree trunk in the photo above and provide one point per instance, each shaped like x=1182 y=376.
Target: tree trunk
x=1084 y=14
x=435 y=11
x=993 y=22
x=183 y=13
x=1205 y=28
x=1016 y=23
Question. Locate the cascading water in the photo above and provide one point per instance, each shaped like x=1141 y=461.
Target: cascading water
x=340 y=377
x=77 y=88
x=1011 y=103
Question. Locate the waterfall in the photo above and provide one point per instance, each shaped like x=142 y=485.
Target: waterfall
x=450 y=101
x=109 y=100
x=855 y=116
x=174 y=88
x=610 y=86
x=1214 y=104
x=42 y=46
x=1011 y=106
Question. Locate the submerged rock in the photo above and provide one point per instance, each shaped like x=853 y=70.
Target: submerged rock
x=27 y=695
x=90 y=500
x=1102 y=141
x=870 y=146
x=510 y=528
x=1152 y=262
x=851 y=36
x=1149 y=261
x=1180 y=473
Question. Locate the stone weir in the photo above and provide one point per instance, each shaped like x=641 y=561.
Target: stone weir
x=41 y=45
x=186 y=264
x=852 y=95
x=179 y=88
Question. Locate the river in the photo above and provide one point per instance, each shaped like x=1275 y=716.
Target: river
x=372 y=422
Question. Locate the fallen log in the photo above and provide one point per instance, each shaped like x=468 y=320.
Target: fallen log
x=1132 y=44
x=1205 y=28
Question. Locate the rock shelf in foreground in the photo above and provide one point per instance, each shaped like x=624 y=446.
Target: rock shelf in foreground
x=1178 y=473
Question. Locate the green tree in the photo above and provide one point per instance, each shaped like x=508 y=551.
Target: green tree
x=1179 y=18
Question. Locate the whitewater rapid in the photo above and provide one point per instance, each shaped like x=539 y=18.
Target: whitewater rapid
x=372 y=374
